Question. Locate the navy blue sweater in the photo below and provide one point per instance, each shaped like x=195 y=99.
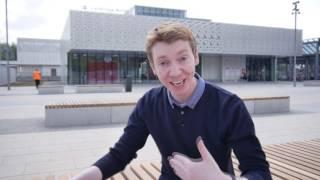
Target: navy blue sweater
x=220 y=118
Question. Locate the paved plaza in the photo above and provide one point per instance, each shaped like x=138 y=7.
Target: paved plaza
x=28 y=148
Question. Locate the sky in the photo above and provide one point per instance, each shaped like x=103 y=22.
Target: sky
x=45 y=19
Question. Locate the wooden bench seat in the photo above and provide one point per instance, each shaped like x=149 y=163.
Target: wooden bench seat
x=94 y=113
x=83 y=114
x=289 y=161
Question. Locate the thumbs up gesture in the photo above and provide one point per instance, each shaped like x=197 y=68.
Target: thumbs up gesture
x=204 y=168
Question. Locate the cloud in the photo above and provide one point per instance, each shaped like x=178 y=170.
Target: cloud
x=28 y=22
x=46 y=18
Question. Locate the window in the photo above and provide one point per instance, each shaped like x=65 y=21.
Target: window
x=53 y=72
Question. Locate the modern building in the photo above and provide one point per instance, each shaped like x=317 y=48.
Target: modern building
x=42 y=54
x=309 y=64
x=99 y=47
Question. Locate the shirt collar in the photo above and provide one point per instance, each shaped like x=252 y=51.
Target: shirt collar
x=195 y=97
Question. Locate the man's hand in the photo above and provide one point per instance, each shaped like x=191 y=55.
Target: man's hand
x=204 y=168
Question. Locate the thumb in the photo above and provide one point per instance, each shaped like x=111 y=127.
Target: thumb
x=205 y=154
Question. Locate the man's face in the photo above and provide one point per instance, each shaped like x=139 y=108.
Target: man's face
x=174 y=64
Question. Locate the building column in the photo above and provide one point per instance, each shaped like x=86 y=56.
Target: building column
x=290 y=68
x=275 y=69
x=306 y=69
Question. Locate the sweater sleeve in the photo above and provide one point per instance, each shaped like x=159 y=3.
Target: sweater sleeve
x=242 y=139
x=134 y=137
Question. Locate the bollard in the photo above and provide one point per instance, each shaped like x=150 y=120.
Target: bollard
x=128 y=84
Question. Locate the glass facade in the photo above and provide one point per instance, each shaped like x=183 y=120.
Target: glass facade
x=306 y=68
x=258 y=68
x=110 y=67
x=85 y=67
x=284 y=69
x=161 y=12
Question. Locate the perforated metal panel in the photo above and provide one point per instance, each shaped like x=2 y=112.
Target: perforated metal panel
x=101 y=31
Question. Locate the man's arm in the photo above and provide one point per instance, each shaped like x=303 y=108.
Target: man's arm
x=134 y=137
x=240 y=136
x=92 y=173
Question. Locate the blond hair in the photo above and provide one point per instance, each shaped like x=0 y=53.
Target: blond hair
x=169 y=33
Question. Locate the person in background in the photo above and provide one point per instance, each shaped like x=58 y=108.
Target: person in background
x=36 y=77
x=195 y=124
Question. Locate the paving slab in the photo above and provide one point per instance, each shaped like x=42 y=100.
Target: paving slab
x=28 y=148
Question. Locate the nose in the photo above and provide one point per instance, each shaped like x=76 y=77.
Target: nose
x=175 y=70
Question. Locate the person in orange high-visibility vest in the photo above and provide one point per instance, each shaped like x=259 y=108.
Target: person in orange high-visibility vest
x=36 y=77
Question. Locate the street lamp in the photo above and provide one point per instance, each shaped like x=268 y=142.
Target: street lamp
x=7 y=49
x=295 y=11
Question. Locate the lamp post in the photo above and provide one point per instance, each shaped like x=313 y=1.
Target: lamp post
x=295 y=11
x=7 y=49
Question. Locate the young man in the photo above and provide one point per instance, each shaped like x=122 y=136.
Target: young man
x=195 y=124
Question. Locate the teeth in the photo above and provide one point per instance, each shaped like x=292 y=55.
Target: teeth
x=178 y=83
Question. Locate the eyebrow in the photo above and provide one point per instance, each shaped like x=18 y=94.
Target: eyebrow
x=179 y=53
x=182 y=51
x=161 y=57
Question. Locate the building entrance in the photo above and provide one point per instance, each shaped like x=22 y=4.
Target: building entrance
x=258 y=68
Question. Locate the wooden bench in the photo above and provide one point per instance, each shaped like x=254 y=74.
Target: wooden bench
x=289 y=161
x=267 y=105
x=94 y=113
x=81 y=114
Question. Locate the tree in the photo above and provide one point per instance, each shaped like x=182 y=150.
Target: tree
x=12 y=51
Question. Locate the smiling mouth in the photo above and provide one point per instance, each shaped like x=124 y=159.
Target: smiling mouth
x=178 y=83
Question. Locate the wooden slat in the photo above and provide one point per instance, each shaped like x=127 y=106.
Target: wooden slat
x=304 y=149
x=289 y=161
x=153 y=172
x=285 y=171
x=310 y=142
x=129 y=174
x=300 y=152
x=140 y=173
x=295 y=165
x=276 y=177
x=118 y=176
x=308 y=146
x=313 y=143
x=316 y=140
x=295 y=154
x=156 y=165
x=276 y=174
x=296 y=159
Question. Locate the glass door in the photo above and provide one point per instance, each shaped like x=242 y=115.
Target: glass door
x=91 y=69
x=83 y=68
x=258 y=68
